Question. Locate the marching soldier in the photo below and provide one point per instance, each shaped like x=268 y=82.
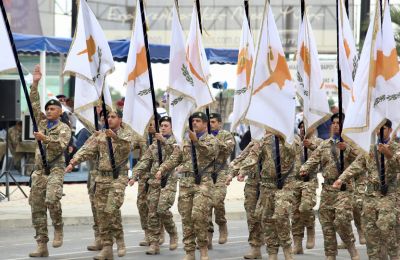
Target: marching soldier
x=110 y=192
x=14 y=138
x=379 y=203
x=47 y=183
x=159 y=199
x=226 y=144
x=335 y=212
x=193 y=201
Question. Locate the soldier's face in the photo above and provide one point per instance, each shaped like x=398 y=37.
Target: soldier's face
x=301 y=130
x=53 y=112
x=114 y=121
x=215 y=125
x=335 y=127
x=165 y=128
x=151 y=128
x=199 y=125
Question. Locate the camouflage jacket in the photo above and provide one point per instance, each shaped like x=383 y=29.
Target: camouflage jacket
x=96 y=147
x=366 y=165
x=324 y=157
x=57 y=136
x=148 y=165
x=206 y=151
x=264 y=150
x=226 y=144
x=300 y=157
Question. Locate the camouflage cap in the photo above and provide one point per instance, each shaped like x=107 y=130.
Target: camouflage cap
x=52 y=102
x=164 y=119
x=216 y=116
x=200 y=115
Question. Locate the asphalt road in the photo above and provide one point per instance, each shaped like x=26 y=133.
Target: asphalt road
x=18 y=242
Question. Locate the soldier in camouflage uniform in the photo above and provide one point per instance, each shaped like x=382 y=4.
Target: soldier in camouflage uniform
x=304 y=194
x=275 y=200
x=47 y=184
x=379 y=215
x=159 y=199
x=110 y=192
x=14 y=138
x=335 y=212
x=194 y=199
x=226 y=144
x=251 y=194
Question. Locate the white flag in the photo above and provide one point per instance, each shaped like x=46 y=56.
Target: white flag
x=181 y=85
x=348 y=58
x=272 y=104
x=7 y=60
x=198 y=63
x=138 y=106
x=309 y=76
x=89 y=56
x=243 y=72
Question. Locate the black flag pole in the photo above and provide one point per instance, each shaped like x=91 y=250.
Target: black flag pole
x=246 y=10
x=21 y=76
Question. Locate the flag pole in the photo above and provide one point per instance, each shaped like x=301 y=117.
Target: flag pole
x=153 y=96
x=246 y=10
x=201 y=31
x=21 y=76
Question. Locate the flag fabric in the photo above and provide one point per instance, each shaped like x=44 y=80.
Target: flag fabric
x=310 y=85
x=348 y=58
x=89 y=56
x=198 y=66
x=243 y=72
x=376 y=85
x=272 y=103
x=7 y=60
x=181 y=84
x=138 y=106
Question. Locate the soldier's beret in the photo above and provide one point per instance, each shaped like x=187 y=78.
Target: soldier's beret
x=388 y=123
x=61 y=96
x=200 y=115
x=216 y=116
x=336 y=115
x=164 y=119
x=52 y=102
x=119 y=113
x=300 y=123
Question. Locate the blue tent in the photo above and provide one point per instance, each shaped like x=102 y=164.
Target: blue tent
x=159 y=53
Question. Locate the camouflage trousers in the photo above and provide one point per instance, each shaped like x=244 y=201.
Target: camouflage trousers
x=335 y=215
x=273 y=207
x=256 y=236
x=159 y=202
x=380 y=219
x=109 y=196
x=91 y=186
x=46 y=193
x=193 y=206
x=357 y=211
x=304 y=200
x=217 y=202
x=142 y=204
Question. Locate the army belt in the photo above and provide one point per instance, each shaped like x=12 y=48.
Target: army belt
x=189 y=174
x=371 y=187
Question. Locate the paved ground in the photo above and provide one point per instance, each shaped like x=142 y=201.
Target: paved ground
x=18 y=242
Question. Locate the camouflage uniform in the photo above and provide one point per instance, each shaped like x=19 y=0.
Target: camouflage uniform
x=304 y=192
x=46 y=190
x=14 y=138
x=159 y=200
x=193 y=200
x=226 y=144
x=274 y=204
x=110 y=192
x=251 y=194
x=335 y=211
x=379 y=215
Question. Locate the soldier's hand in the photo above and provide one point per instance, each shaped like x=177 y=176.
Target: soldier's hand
x=240 y=177
x=158 y=175
x=110 y=133
x=193 y=136
x=131 y=182
x=303 y=173
x=342 y=146
x=228 y=180
x=159 y=137
x=307 y=143
x=384 y=148
x=39 y=136
x=69 y=168
x=37 y=74
x=337 y=184
x=96 y=133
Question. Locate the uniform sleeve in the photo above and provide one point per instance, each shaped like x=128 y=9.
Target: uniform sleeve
x=226 y=145
x=58 y=143
x=144 y=165
x=355 y=169
x=313 y=161
x=206 y=146
x=88 y=151
x=251 y=160
x=35 y=101
x=234 y=166
x=173 y=161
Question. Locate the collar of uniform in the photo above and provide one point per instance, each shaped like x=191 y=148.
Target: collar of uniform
x=167 y=136
x=51 y=123
x=215 y=132
x=199 y=135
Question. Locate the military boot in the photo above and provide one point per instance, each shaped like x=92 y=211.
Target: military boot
x=287 y=251
x=353 y=252
x=189 y=255
x=254 y=253
x=162 y=235
x=121 y=249
x=154 y=249
x=105 y=254
x=330 y=257
x=96 y=246
x=298 y=246
x=223 y=234
x=145 y=241
x=310 y=237
x=210 y=236
x=204 y=253
x=273 y=257
x=58 y=236
x=173 y=240
x=41 y=250
x=361 y=237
